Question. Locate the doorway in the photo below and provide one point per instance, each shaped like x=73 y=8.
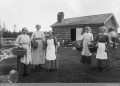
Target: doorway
x=73 y=34
x=79 y=32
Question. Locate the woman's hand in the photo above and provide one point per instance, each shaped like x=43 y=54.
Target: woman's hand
x=106 y=50
x=56 y=49
x=107 y=47
x=20 y=46
x=44 y=44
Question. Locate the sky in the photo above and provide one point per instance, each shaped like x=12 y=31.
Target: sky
x=28 y=13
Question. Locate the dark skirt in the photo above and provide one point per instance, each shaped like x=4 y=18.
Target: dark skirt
x=114 y=41
x=103 y=63
x=86 y=59
x=22 y=69
x=51 y=64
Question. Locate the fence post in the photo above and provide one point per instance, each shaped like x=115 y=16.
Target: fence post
x=0 y=42
x=1 y=39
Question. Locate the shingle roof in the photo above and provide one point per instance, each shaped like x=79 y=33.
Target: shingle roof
x=93 y=19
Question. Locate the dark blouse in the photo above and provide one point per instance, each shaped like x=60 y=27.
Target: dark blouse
x=102 y=37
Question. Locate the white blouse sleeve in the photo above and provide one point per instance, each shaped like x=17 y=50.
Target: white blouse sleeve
x=17 y=41
x=43 y=35
x=29 y=42
x=33 y=34
x=91 y=37
x=82 y=36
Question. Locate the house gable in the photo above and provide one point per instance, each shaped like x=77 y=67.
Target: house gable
x=111 y=23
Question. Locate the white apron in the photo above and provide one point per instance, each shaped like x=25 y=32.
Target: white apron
x=50 y=53
x=101 y=54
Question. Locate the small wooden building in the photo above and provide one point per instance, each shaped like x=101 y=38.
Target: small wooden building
x=71 y=28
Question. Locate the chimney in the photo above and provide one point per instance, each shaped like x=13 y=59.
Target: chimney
x=60 y=17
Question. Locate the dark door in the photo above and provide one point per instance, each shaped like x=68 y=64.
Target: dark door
x=73 y=34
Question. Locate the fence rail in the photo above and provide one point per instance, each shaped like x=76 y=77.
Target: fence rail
x=7 y=41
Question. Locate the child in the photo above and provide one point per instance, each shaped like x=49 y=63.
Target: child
x=51 y=59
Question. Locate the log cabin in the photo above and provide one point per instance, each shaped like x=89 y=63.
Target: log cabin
x=72 y=28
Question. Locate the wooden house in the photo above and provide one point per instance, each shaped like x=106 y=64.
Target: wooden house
x=72 y=28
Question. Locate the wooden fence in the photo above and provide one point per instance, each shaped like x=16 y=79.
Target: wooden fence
x=7 y=41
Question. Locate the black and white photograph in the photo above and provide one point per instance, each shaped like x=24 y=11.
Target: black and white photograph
x=60 y=41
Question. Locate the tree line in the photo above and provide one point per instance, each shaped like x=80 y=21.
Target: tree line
x=9 y=34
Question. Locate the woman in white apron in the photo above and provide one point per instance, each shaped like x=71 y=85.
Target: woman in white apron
x=103 y=42
x=87 y=38
x=51 y=58
x=38 y=54
x=24 y=41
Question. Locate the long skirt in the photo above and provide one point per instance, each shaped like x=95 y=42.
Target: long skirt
x=114 y=41
x=86 y=59
x=38 y=55
x=86 y=55
x=103 y=63
x=51 y=64
x=21 y=68
x=102 y=58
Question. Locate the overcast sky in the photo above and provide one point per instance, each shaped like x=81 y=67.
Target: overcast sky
x=28 y=13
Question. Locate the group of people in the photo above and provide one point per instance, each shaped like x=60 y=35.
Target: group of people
x=103 y=41
x=44 y=55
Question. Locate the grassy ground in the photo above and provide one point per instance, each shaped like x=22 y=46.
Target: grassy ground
x=7 y=65
x=72 y=71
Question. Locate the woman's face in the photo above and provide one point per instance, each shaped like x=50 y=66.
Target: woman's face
x=24 y=31
x=38 y=27
x=50 y=34
x=87 y=30
x=102 y=30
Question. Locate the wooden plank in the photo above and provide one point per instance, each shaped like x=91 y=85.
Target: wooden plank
x=8 y=41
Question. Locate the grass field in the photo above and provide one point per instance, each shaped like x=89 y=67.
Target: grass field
x=7 y=65
x=71 y=70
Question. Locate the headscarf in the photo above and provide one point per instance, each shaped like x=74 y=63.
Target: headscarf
x=88 y=29
x=24 y=29
x=102 y=28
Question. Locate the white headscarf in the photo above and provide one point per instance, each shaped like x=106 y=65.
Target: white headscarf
x=88 y=28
